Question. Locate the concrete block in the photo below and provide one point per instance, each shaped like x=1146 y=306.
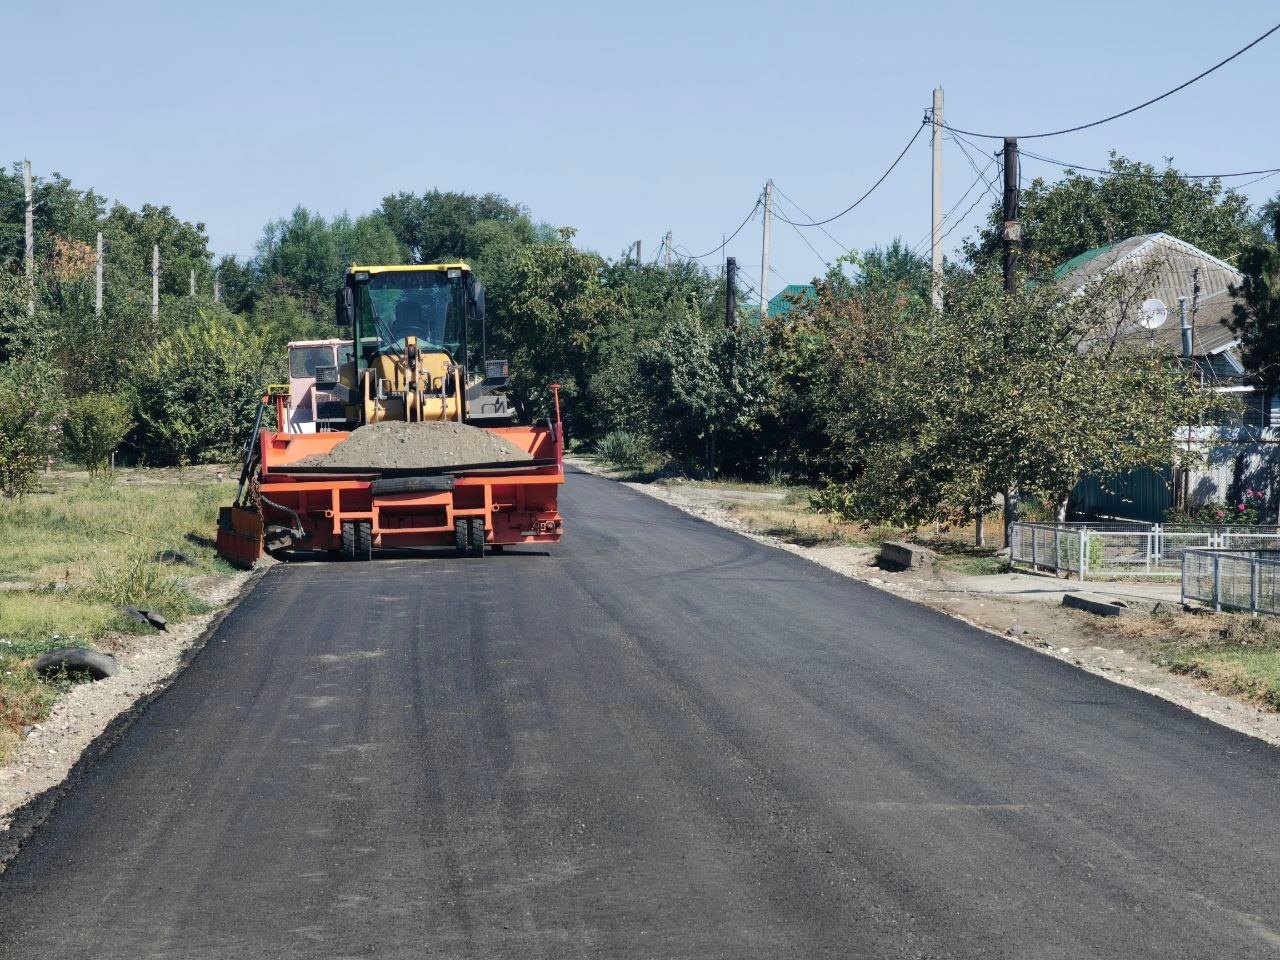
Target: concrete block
x=1098 y=604
x=897 y=555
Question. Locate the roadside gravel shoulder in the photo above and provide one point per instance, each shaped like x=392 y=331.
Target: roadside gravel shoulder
x=1030 y=617
x=40 y=766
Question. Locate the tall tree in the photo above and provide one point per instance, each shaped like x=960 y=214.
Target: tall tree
x=438 y=225
x=1081 y=211
x=1257 y=310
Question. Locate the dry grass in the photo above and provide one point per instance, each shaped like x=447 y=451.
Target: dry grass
x=1230 y=653
x=82 y=548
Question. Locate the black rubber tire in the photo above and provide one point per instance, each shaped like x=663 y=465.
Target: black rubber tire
x=364 y=540
x=411 y=485
x=77 y=660
x=461 y=535
x=475 y=538
x=348 y=540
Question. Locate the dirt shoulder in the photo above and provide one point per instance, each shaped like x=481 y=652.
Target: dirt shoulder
x=148 y=663
x=1021 y=608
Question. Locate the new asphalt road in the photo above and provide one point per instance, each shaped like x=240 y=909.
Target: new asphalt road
x=659 y=740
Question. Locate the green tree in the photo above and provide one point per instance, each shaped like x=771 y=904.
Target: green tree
x=198 y=390
x=1257 y=310
x=31 y=409
x=1080 y=211
x=95 y=426
x=313 y=253
x=438 y=226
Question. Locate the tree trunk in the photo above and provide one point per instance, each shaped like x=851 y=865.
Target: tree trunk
x=979 y=531
x=1010 y=512
x=1062 y=509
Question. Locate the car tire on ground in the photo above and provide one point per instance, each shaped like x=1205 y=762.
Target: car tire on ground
x=348 y=540
x=461 y=535
x=476 y=537
x=364 y=540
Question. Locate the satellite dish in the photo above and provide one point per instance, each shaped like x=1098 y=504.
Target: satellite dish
x=1154 y=314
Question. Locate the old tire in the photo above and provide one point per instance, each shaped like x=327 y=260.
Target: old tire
x=411 y=485
x=461 y=535
x=364 y=540
x=348 y=540
x=476 y=537
x=77 y=660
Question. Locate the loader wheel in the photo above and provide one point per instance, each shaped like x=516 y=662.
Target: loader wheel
x=364 y=540
x=476 y=538
x=461 y=535
x=348 y=540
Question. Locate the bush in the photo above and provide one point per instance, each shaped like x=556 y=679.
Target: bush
x=95 y=425
x=30 y=408
x=623 y=449
x=199 y=389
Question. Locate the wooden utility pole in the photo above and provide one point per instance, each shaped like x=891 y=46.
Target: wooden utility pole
x=666 y=247
x=764 y=250
x=97 y=293
x=1012 y=234
x=29 y=247
x=731 y=292
x=155 y=281
x=936 y=234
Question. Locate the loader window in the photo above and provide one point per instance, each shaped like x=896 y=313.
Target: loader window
x=304 y=360
x=397 y=304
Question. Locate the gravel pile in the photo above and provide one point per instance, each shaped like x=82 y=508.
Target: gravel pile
x=396 y=445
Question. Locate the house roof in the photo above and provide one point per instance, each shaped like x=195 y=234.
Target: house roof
x=782 y=302
x=1174 y=278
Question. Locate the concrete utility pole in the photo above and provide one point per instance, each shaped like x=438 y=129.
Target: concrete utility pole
x=155 y=281
x=192 y=291
x=666 y=247
x=936 y=258
x=1012 y=235
x=764 y=250
x=97 y=294
x=217 y=289
x=731 y=292
x=29 y=248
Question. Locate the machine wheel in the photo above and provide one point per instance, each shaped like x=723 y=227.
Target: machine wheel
x=411 y=485
x=364 y=540
x=461 y=535
x=476 y=537
x=348 y=540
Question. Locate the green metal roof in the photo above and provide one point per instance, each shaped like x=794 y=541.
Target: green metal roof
x=1080 y=259
x=782 y=302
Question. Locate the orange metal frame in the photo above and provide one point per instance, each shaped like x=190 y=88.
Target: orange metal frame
x=517 y=505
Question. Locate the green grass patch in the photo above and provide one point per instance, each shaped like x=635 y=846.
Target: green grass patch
x=84 y=549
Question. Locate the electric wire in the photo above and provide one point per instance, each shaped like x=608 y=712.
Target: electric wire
x=800 y=234
x=1125 y=113
x=729 y=239
x=884 y=176
x=1157 y=175
x=805 y=213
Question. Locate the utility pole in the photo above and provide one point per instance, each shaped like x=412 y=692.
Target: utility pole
x=764 y=250
x=638 y=261
x=217 y=288
x=29 y=248
x=666 y=247
x=731 y=292
x=937 y=200
x=1012 y=235
x=97 y=296
x=155 y=281
x=192 y=291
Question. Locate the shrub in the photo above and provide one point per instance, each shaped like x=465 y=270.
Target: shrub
x=623 y=449
x=95 y=425
x=199 y=388
x=30 y=408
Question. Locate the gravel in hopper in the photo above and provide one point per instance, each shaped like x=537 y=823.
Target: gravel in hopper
x=392 y=444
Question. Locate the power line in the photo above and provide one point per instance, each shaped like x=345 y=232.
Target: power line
x=746 y=220
x=1154 y=176
x=810 y=216
x=893 y=166
x=981 y=178
x=800 y=234
x=1125 y=113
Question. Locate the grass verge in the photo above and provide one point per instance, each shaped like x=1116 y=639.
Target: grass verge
x=74 y=553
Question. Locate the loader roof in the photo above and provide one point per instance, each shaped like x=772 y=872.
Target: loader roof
x=409 y=267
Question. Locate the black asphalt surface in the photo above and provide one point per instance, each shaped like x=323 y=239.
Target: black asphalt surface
x=661 y=740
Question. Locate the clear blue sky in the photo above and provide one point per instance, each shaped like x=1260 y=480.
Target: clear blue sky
x=621 y=120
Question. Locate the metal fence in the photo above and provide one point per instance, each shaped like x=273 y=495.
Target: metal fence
x=1093 y=550
x=1233 y=579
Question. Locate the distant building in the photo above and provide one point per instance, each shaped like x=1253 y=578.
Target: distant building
x=790 y=295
